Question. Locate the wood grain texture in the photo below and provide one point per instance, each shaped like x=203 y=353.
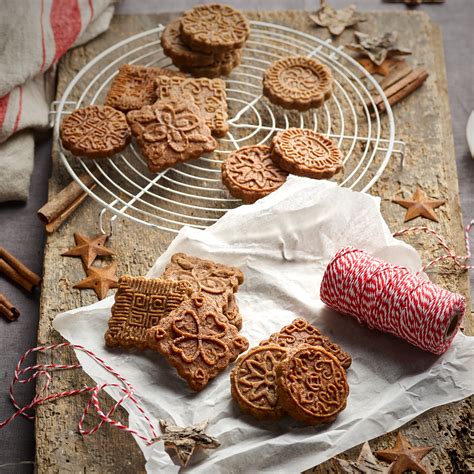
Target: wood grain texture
x=423 y=122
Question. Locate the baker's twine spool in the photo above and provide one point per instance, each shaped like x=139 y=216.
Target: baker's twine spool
x=392 y=299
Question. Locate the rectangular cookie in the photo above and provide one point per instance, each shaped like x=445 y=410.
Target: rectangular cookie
x=208 y=94
x=140 y=303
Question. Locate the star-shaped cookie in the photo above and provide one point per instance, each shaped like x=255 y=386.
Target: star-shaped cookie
x=405 y=457
x=100 y=280
x=420 y=205
x=365 y=463
x=88 y=248
x=336 y=21
x=185 y=440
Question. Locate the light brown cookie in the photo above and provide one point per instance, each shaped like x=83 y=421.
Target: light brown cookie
x=208 y=94
x=140 y=303
x=219 y=68
x=254 y=382
x=96 y=131
x=215 y=280
x=197 y=340
x=170 y=132
x=214 y=28
x=249 y=173
x=297 y=82
x=301 y=332
x=312 y=385
x=303 y=152
x=134 y=86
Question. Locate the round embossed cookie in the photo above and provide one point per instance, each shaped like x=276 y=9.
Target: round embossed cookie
x=250 y=173
x=297 y=82
x=253 y=382
x=224 y=67
x=307 y=153
x=214 y=28
x=96 y=131
x=312 y=385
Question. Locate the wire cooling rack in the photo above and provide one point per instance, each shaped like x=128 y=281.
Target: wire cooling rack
x=192 y=193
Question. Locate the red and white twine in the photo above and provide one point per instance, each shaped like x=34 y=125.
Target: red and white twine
x=393 y=299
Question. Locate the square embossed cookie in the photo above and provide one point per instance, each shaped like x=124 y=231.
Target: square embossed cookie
x=140 y=303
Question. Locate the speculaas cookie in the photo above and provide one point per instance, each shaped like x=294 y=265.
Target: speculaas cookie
x=170 y=132
x=249 y=173
x=208 y=94
x=219 y=68
x=301 y=332
x=134 y=86
x=312 y=385
x=303 y=152
x=214 y=28
x=254 y=382
x=96 y=131
x=140 y=303
x=215 y=280
x=197 y=340
x=297 y=82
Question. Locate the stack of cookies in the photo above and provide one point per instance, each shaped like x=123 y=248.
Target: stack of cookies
x=189 y=315
x=296 y=371
x=207 y=40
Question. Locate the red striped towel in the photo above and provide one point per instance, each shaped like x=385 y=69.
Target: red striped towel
x=34 y=34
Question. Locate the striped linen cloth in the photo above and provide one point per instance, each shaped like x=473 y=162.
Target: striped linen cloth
x=34 y=34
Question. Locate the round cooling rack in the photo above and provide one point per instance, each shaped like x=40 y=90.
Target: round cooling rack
x=192 y=193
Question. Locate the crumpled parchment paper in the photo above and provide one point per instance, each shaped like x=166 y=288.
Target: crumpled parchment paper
x=282 y=243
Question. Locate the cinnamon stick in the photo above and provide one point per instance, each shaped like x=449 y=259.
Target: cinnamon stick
x=11 y=267
x=7 y=310
x=61 y=206
x=399 y=71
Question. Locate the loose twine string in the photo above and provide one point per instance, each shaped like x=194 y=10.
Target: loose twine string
x=123 y=385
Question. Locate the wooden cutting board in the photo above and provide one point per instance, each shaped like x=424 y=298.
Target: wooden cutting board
x=422 y=121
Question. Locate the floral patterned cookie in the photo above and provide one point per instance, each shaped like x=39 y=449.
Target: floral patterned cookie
x=254 y=382
x=307 y=153
x=97 y=131
x=250 y=173
x=169 y=132
x=297 y=82
x=197 y=340
x=214 y=28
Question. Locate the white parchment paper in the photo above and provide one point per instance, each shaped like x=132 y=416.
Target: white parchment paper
x=282 y=244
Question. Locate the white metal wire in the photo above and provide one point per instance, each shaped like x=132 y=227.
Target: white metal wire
x=192 y=192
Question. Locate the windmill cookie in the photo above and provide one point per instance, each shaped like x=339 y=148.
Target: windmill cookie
x=217 y=281
x=307 y=153
x=140 y=303
x=249 y=173
x=134 y=86
x=214 y=28
x=254 y=382
x=96 y=131
x=220 y=68
x=208 y=94
x=297 y=82
x=312 y=385
x=170 y=132
x=197 y=340
x=301 y=332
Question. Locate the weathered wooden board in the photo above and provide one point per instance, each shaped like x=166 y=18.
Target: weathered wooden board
x=423 y=122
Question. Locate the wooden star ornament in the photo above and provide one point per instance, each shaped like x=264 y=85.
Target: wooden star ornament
x=88 y=248
x=405 y=457
x=100 y=280
x=336 y=21
x=365 y=463
x=185 y=440
x=420 y=205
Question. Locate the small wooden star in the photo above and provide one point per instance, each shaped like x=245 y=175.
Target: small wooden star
x=336 y=21
x=185 y=440
x=100 y=280
x=377 y=48
x=88 y=248
x=405 y=456
x=365 y=463
x=420 y=205
x=382 y=69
